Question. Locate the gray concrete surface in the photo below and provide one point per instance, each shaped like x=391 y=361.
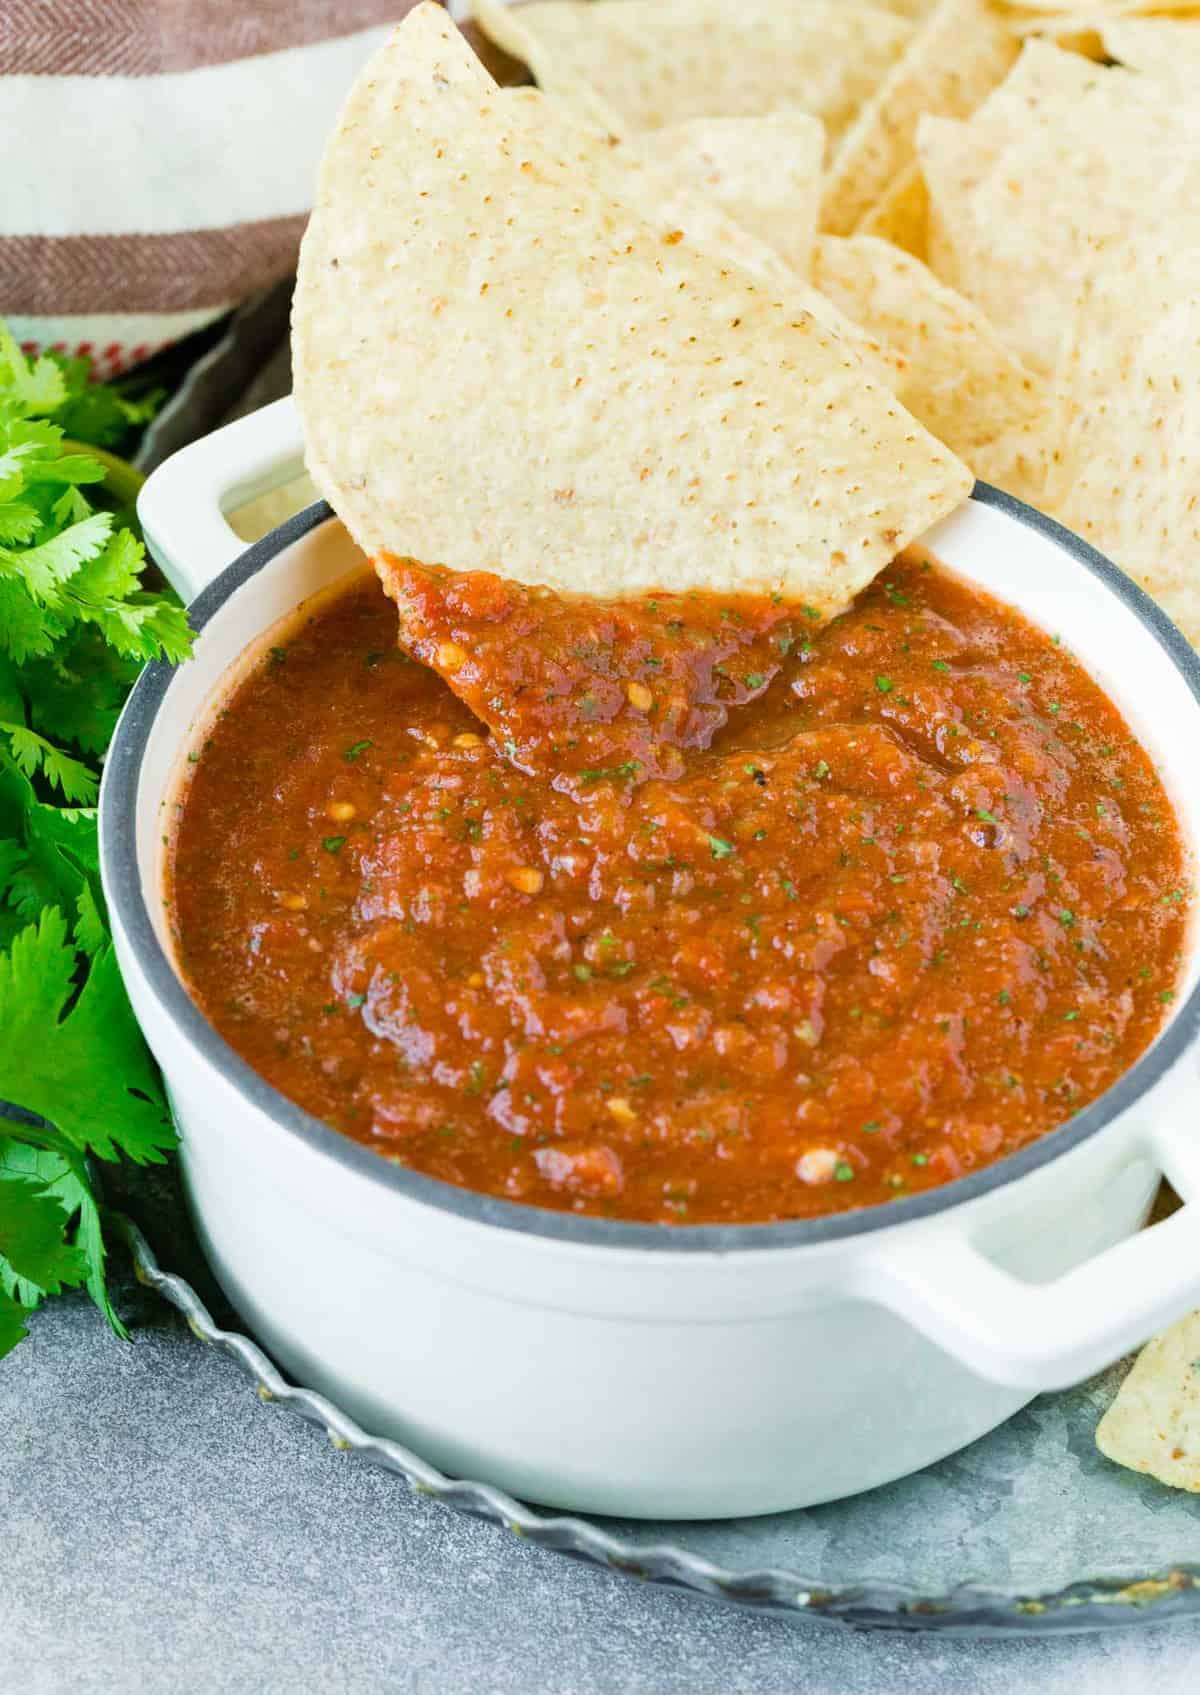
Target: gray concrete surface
x=164 y=1532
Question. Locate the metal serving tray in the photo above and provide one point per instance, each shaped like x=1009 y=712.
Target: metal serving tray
x=1029 y=1531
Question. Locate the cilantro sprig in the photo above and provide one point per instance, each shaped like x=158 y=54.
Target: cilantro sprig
x=76 y=625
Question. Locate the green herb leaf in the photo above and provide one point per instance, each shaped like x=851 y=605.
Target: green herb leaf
x=12 y=1324
x=597 y=774
x=75 y=626
x=35 y=1257
x=77 y=1060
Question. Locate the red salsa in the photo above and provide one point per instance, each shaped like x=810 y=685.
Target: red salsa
x=683 y=910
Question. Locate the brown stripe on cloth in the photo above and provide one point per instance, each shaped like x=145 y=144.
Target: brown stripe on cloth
x=55 y=276
x=146 y=37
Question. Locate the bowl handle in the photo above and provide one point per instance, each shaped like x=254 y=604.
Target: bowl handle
x=1050 y=1335
x=183 y=503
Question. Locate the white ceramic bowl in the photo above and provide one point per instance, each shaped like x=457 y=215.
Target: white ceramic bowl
x=628 y=1368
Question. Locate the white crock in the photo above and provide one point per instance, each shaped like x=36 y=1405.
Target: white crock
x=634 y=1369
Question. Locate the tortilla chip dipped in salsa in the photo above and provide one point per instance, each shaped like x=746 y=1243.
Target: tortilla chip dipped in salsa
x=502 y=366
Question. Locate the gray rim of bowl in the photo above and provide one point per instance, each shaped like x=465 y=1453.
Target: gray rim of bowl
x=118 y=838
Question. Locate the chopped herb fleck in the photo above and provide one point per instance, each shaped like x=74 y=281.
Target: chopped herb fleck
x=597 y=774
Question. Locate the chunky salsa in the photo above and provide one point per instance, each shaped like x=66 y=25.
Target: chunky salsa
x=685 y=910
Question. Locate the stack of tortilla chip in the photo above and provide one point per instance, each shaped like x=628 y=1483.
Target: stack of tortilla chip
x=1068 y=208
x=752 y=128
x=997 y=218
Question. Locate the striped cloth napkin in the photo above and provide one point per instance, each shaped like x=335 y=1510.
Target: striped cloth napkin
x=158 y=158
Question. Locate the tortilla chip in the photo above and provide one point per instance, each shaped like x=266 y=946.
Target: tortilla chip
x=901 y=213
x=666 y=198
x=1153 y=1426
x=1019 y=461
x=1065 y=152
x=963 y=383
x=642 y=64
x=764 y=172
x=500 y=366
x=1088 y=9
x=959 y=54
x=1073 y=34
x=1167 y=49
x=955 y=156
x=1127 y=469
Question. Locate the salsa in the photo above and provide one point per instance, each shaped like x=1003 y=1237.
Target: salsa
x=684 y=910
x=622 y=689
